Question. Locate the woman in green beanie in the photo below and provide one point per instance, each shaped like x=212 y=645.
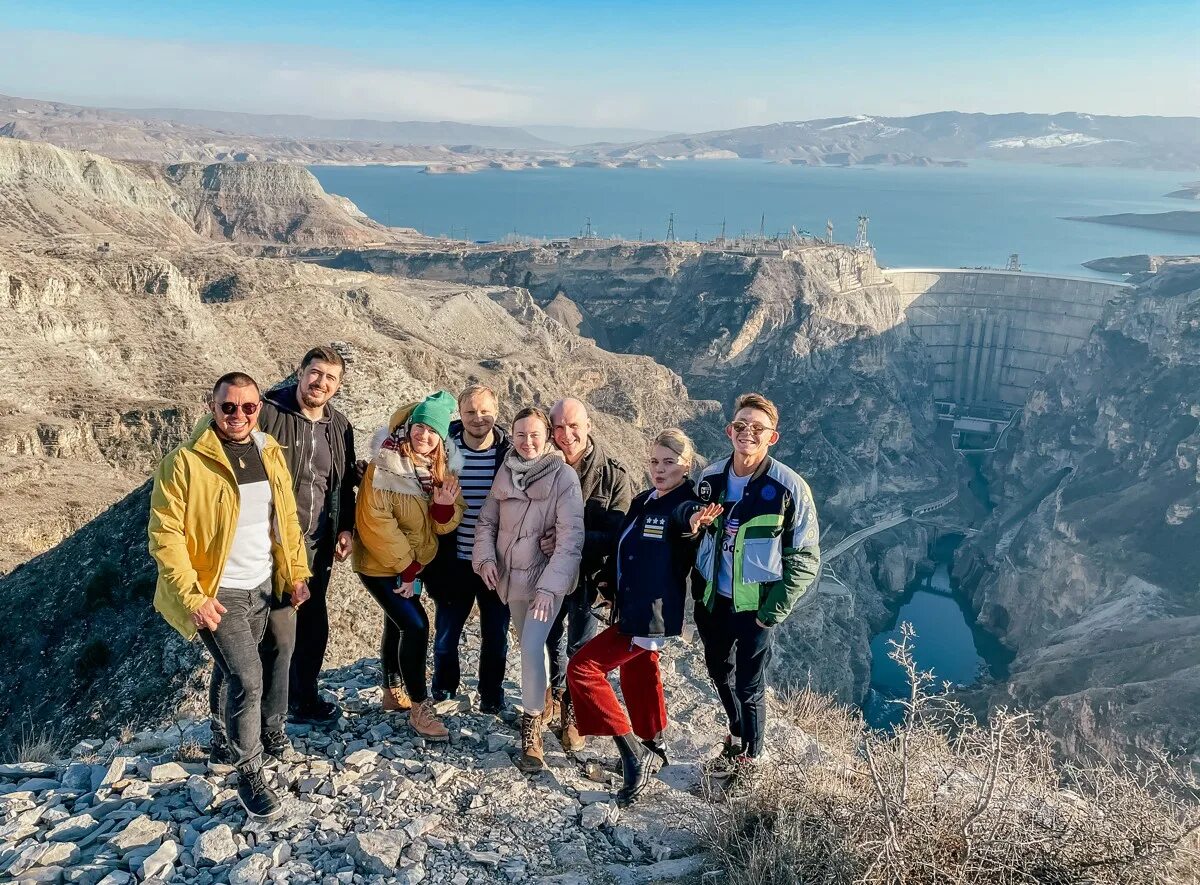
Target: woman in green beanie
x=408 y=496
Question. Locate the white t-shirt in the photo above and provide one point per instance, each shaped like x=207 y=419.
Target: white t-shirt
x=733 y=494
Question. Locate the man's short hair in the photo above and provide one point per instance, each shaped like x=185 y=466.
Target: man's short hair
x=325 y=354
x=234 y=379
x=476 y=389
x=760 y=402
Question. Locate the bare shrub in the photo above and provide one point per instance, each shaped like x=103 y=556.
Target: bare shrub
x=946 y=799
x=36 y=743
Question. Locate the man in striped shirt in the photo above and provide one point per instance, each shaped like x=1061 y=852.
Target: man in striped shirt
x=453 y=585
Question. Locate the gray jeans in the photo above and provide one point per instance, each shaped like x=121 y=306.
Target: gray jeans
x=535 y=665
x=250 y=677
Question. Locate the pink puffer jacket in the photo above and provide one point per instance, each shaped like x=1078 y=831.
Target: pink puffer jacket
x=513 y=520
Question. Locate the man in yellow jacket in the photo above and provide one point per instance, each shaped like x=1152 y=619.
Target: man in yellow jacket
x=231 y=561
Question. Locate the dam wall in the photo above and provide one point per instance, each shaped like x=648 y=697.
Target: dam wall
x=991 y=333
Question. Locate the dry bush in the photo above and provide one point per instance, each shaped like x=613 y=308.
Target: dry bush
x=35 y=744
x=945 y=799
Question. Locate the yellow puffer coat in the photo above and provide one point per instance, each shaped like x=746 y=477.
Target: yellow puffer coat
x=392 y=525
x=193 y=517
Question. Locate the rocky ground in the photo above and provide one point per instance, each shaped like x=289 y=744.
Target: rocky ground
x=368 y=801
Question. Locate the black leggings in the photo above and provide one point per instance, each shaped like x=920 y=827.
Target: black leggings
x=405 y=637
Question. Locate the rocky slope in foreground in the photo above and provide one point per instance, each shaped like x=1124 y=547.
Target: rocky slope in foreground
x=1091 y=562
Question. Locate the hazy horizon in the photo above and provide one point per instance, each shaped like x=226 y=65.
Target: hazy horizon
x=671 y=67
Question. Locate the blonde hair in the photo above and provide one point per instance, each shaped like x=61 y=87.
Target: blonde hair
x=760 y=402
x=477 y=389
x=678 y=442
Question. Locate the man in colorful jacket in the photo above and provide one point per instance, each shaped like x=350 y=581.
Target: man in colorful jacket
x=758 y=557
x=231 y=562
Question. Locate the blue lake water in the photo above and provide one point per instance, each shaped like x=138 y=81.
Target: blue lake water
x=975 y=216
x=945 y=643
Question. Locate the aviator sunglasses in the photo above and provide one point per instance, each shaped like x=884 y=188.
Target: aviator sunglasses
x=755 y=429
x=247 y=408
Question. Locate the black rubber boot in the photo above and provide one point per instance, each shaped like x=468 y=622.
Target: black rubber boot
x=635 y=768
x=658 y=746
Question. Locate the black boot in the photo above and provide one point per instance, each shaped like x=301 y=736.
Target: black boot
x=255 y=794
x=635 y=768
x=658 y=746
x=219 y=751
x=278 y=746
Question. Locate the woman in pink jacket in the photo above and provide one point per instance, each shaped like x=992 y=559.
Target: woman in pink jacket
x=535 y=491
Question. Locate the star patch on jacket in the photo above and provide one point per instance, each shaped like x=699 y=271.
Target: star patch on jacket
x=654 y=527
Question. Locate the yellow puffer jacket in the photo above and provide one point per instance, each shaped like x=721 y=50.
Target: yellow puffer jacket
x=193 y=517
x=392 y=525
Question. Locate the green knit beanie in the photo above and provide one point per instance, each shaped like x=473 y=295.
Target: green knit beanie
x=434 y=412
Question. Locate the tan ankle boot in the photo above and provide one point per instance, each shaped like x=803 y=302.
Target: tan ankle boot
x=532 y=758
x=568 y=735
x=553 y=709
x=396 y=699
x=425 y=722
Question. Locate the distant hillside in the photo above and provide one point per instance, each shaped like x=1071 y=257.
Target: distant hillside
x=1065 y=139
x=1182 y=222
x=410 y=132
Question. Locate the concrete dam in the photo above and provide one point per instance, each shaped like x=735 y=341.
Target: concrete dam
x=992 y=334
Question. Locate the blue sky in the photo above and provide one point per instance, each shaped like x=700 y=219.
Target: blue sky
x=662 y=65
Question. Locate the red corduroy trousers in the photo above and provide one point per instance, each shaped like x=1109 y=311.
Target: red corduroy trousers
x=596 y=708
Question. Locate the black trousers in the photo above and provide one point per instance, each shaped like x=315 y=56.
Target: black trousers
x=405 y=639
x=312 y=626
x=457 y=589
x=249 y=688
x=736 y=653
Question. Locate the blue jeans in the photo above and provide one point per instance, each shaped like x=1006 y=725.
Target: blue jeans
x=249 y=688
x=581 y=624
x=457 y=589
x=736 y=653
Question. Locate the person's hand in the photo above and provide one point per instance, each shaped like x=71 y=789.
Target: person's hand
x=547 y=542
x=489 y=574
x=300 y=593
x=447 y=492
x=208 y=616
x=345 y=544
x=704 y=517
x=360 y=468
x=543 y=606
x=405 y=589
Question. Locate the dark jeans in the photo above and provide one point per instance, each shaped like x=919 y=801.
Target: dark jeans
x=736 y=653
x=248 y=691
x=456 y=589
x=312 y=626
x=405 y=637
x=581 y=625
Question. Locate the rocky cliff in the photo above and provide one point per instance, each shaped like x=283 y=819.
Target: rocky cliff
x=78 y=198
x=1090 y=563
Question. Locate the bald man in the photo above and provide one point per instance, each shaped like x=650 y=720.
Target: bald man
x=607 y=494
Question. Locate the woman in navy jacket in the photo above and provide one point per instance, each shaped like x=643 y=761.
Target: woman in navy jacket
x=647 y=581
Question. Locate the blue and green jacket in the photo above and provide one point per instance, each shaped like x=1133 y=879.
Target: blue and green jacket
x=776 y=552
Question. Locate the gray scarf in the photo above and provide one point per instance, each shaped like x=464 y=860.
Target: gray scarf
x=526 y=473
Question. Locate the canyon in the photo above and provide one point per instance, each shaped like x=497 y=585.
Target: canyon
x=127 y=287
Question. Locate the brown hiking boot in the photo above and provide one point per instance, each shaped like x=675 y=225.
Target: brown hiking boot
x=568 y=733
x=532 y=758
x=553 y=709
x=396 y=699
x=425 y=722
